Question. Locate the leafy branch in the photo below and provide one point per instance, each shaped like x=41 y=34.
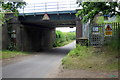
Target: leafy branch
x=91 y=9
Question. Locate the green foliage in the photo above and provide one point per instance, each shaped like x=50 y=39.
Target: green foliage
x=60 y=37
x=63 y=38
x=80 y=51
x=12 y=6
x=1 y=18
x=70 y=36
x=114 y=42
x=118 y=18
x=100 y=20
x=91 y=9
x=12 y=46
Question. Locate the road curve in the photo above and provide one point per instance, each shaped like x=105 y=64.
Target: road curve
x=37 y=66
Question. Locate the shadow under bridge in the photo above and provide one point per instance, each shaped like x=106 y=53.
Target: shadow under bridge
x=39 y=28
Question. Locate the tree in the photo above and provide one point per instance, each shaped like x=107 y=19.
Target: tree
x=12 y=6
x=91 y=9
x=9 y=6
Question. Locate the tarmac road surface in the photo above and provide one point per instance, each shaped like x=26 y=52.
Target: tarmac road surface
x=37 y=66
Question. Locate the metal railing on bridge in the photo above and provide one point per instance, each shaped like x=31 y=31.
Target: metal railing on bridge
x=49 y=6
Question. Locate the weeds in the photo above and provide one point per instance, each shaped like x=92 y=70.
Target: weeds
x=89 y=58
x=8 y=54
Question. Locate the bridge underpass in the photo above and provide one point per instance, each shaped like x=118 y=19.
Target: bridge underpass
x=39 y=34
x=33 y=33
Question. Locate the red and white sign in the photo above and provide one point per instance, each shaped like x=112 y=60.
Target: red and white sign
x=45 y=17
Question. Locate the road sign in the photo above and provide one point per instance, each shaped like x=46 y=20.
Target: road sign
x=95 y=29
x=108 y=30
x=45 y=17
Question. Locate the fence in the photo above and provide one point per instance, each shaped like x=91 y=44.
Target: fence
x=49 y=6
x=101 y=33
x=115 y=28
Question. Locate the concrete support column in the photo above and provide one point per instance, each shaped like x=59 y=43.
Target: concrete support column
x=48 y=38
x=5 y=37
x=78 y=28
x=25 y=39
x=7 y=28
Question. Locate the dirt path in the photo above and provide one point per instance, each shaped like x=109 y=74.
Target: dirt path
x=67 y=73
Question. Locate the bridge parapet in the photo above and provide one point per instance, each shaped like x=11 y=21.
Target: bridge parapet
x=49 y=6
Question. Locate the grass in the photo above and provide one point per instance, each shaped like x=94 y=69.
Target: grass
x=9 y=54
x=89 y=58
x=63 y=43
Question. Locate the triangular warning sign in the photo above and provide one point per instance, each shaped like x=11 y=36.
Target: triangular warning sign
x=108 y=27
x=45 y=17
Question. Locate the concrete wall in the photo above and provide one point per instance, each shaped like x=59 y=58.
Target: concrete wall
x=36 y=38
x=5 y=37
x=5 y=32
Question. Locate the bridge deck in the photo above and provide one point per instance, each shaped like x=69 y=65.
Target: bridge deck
x=52 y=12
x=57 y=18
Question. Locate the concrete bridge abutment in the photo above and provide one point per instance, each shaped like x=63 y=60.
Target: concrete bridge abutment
x=78 y=30
x=26 y=37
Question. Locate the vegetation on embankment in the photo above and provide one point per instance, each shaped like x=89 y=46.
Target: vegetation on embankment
x=90 y=58
x=10 y=54
x=63 y=38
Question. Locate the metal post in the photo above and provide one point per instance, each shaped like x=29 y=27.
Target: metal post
x=70 y=6
x=34 y=9
x=23 y=11
x=45 y=7
x=58 y=7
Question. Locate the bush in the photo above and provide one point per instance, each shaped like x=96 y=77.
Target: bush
x=12 y=46
x=63 y=38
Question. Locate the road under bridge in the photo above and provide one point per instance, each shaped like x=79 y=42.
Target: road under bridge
x=36 y=31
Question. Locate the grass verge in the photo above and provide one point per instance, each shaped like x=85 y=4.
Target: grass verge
x=89 y=58
x=9 y=54
x=63 y=43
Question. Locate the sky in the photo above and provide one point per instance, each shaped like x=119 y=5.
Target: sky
x=66 y=29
